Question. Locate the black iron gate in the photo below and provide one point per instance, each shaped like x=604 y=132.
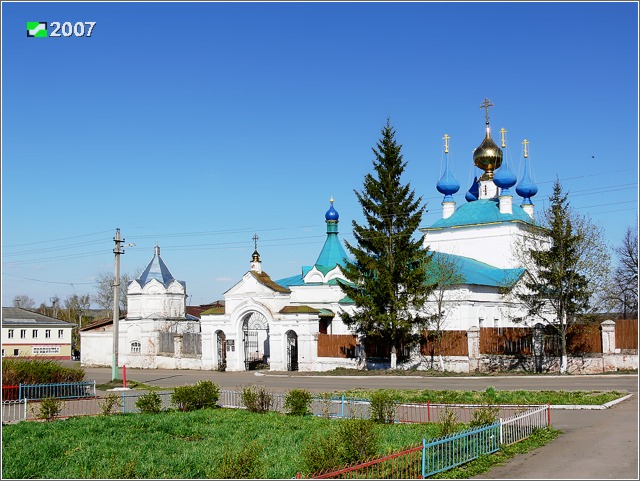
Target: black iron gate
x=222 y=354
x=255 y=330
x=292 y=351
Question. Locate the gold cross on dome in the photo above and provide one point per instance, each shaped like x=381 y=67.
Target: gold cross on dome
x=255 y=241
x=525 y=142
x=502 y=132
x=446 y=143
x=485 y=105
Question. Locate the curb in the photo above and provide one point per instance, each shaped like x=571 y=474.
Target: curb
x=589 y=406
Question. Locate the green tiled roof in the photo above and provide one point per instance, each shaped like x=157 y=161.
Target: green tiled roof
x=480 y=212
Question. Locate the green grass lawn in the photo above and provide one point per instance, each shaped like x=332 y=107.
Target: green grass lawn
x=174 y=444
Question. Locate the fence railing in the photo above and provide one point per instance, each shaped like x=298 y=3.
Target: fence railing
x=10 y=393
x=14 y=411
x=449 y=451
x=456 y=449
x=63 y=390
x=405 y=464
x=520 y=426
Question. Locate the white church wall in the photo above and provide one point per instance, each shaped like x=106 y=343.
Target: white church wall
x=490 y=244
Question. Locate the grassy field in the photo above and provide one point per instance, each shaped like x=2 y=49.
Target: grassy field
x=493 y=396
x=234 y=443
x=176 y=445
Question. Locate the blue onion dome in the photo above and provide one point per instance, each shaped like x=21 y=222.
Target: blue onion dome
x=526 y=187
x=331 y=214
x=447 y=185
x=504 y=178
x=474 y=191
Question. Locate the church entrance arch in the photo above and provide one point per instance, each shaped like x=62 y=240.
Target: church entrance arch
x=292 y=351
x=221 y=350
x=255 y=334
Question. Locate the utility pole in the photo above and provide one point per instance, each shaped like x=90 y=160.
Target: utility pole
x=116 y=305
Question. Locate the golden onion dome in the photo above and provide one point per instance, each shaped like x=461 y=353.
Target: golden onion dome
x=487 y=156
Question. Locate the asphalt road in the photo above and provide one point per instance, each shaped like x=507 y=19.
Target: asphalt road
x=595 y=444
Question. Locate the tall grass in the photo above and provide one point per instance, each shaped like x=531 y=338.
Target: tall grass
x=37 y=371
x=198 y=444
x=492 y=396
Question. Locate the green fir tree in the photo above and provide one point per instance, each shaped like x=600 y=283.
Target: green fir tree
x=566 y=272
x=388 y=272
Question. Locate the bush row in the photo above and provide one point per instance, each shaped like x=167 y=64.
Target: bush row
x=37 y=371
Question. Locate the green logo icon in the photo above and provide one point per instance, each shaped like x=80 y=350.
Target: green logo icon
x=37 y=29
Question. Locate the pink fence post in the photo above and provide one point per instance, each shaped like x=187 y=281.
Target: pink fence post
x=124 y=376
x=548 y=414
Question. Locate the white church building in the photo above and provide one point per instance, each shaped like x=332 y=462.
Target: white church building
x=295 y=323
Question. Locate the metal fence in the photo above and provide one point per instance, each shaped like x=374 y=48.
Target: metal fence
x=14 y=411
x=446 y=452
x=63 y=390
x=405 y=464
x=459 y=448
x=520 y=426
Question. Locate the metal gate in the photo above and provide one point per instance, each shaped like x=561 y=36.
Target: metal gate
x=292 y=351
x=256 y=340
x=222 y=351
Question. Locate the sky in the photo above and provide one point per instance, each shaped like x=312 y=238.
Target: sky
x=197 y=125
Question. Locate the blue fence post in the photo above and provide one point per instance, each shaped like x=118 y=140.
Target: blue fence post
x=20 y=392
x=342 y=415
x=424 y=457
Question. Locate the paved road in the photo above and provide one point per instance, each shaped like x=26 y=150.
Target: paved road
x=596 y=444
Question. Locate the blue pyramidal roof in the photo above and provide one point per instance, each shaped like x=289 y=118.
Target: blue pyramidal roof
x=156 y=269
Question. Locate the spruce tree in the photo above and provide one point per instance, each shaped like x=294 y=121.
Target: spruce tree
x=388 y=273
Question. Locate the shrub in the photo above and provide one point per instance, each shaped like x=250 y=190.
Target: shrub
x=321 y=453
x=448 y=422
x=490 y=394
x=37 y=371
x=358 y=440
x=201 y=395
x=383 y=407
x=325 y=404
x=149 y=403
x=109 y=402
x=239 y=463
x=50 y=408
x=257 y=399
x=484 y=415
x=298 y=402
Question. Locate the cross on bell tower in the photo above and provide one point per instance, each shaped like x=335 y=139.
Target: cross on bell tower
x=256 y=265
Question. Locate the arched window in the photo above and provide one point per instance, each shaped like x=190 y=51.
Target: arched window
x=135 y=347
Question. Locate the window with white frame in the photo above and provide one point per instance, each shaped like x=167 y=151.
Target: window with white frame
x=10 y=333
x=46 y=350
x=23 y=333
x=34 y=333
x=16 y=352
x=3 y=353
x=60 y=333
x=47 y=333
x=135 y=347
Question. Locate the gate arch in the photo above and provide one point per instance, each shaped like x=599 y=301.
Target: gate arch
x=292 y=351
x=255 y=335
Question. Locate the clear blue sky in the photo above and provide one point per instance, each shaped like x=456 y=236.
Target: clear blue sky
x=197 y=125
